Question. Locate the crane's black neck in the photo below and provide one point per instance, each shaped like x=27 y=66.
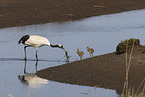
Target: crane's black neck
x=54 y=45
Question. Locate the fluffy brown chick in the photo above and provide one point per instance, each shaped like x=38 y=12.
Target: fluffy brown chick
x=80 y=53
x=90 y=50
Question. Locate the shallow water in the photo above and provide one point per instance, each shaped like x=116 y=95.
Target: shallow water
x=102 y=33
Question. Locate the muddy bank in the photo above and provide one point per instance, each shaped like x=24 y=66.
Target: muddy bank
x=26 y=12
x=107 y=71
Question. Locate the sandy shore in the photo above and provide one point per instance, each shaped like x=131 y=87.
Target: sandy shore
x=27 y=12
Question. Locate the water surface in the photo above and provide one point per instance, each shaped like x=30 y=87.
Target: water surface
x=102 y=33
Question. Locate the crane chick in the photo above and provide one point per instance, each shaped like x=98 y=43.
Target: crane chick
x=80 y=53
x=90 y=50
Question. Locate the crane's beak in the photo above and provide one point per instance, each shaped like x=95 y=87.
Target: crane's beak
x=66 y=54
x=63 y=49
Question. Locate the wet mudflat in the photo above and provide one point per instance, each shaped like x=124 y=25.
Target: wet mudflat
x=102 y=33
x=26 y=12
x=107 y=71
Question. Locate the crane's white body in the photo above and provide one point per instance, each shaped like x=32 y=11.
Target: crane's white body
x=37 y=41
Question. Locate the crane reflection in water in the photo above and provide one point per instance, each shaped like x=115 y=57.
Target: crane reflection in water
x=31 y=79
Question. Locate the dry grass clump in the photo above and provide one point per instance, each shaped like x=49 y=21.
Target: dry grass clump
x=121 y=47
x=128 y=92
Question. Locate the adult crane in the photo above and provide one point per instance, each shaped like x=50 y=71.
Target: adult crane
x=36 y=42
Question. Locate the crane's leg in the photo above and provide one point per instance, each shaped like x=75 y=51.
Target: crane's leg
x=25 y=52
x=36 y=54
x=25 y=67
x=81 y=58
x=36 y=65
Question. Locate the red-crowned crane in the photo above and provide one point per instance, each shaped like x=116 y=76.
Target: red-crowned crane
x=36 y=42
